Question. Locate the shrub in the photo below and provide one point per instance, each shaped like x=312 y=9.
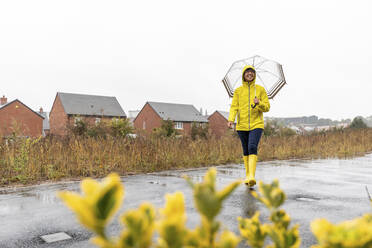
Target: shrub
x=79 y=128
x=166 y=129
x=114 y=127
x=199 y=130
x=358 y=123
x=274 y=128
x=120 y=127
x=100 y=201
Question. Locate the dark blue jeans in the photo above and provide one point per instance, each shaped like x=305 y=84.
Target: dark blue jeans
x=250 y=140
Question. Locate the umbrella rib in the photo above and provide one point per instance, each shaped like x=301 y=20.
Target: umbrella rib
x=262 y=70
x=259 y=64
x=262 y=81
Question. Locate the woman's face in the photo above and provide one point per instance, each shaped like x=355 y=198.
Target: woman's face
x=249 y=76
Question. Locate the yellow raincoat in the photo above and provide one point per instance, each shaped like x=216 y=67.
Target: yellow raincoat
x=249 y=118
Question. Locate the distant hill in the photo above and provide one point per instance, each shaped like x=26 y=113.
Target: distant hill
x=312 y=120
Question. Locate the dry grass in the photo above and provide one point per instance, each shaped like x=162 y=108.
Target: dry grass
x=32 y=161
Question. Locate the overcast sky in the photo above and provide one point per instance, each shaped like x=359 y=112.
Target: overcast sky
x=178 y=51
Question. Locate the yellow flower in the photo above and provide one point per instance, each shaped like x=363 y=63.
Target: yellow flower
x=98 y=203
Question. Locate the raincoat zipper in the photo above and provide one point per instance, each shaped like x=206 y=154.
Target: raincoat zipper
x=249 y=107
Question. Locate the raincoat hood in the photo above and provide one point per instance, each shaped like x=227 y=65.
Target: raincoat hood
x=246 y=68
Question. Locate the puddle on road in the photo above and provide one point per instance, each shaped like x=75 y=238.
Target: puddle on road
x=161 y=184
x=304 y=198
x=55 y=237
x=249 y=203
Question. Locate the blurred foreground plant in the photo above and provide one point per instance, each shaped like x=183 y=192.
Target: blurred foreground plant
x=100 y=201
x=279 y=232
x=355 y=233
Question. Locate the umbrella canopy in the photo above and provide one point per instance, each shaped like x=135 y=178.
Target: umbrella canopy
x=269 y=74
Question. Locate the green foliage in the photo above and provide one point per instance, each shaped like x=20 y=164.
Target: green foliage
x=271 y=127
x=100 y=201
x=355 y=233
x=80 y=127
x=281 y=235
x=358 y=123
x=199 y=130
x=121 y=127
x=166 y=129
x=102 y=129
x=274 y=128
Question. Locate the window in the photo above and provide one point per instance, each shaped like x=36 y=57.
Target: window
x=144 y=125
x=98 y=120
x=178 y=125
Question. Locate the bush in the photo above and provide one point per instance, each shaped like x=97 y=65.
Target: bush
x=358 y=123
x=79 y=128
x=199 y=131
x=121 y=127
x=166 y=129
x=114 y=127
x=274 y=128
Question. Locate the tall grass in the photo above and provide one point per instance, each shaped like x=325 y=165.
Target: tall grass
x=30 y=161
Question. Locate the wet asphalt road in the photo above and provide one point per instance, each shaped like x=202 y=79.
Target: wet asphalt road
x=332 y=189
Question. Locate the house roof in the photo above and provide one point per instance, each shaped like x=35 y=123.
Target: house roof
x=177 y=112
x=224 y=114
x=79 y=104
x=16 y=100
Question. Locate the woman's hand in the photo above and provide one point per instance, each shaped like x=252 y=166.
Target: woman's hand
x=230 y=124
x=256 y=100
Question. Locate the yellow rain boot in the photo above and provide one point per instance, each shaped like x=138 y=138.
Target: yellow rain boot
x=252 y=169
x=245 y=158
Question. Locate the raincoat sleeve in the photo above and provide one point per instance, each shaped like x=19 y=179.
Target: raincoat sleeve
x=264 y=105
x=234 y=107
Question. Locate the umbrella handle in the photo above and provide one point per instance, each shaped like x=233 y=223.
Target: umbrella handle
x=254 y=105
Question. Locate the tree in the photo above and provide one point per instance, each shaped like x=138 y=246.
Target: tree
x=166 y=129
x=120 y=127
x=358 y=123
x=199 y=130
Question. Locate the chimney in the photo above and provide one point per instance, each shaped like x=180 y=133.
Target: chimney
x=3 y=100
x=41 y=110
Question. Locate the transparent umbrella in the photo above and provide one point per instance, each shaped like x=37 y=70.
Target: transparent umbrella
x=269 y=74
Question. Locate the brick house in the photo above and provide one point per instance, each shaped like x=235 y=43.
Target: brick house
x=16 y=117
x=183 y=115
x=68 y=108
x=218 y=122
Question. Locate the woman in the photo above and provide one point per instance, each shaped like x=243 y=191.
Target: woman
x=248 y=104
